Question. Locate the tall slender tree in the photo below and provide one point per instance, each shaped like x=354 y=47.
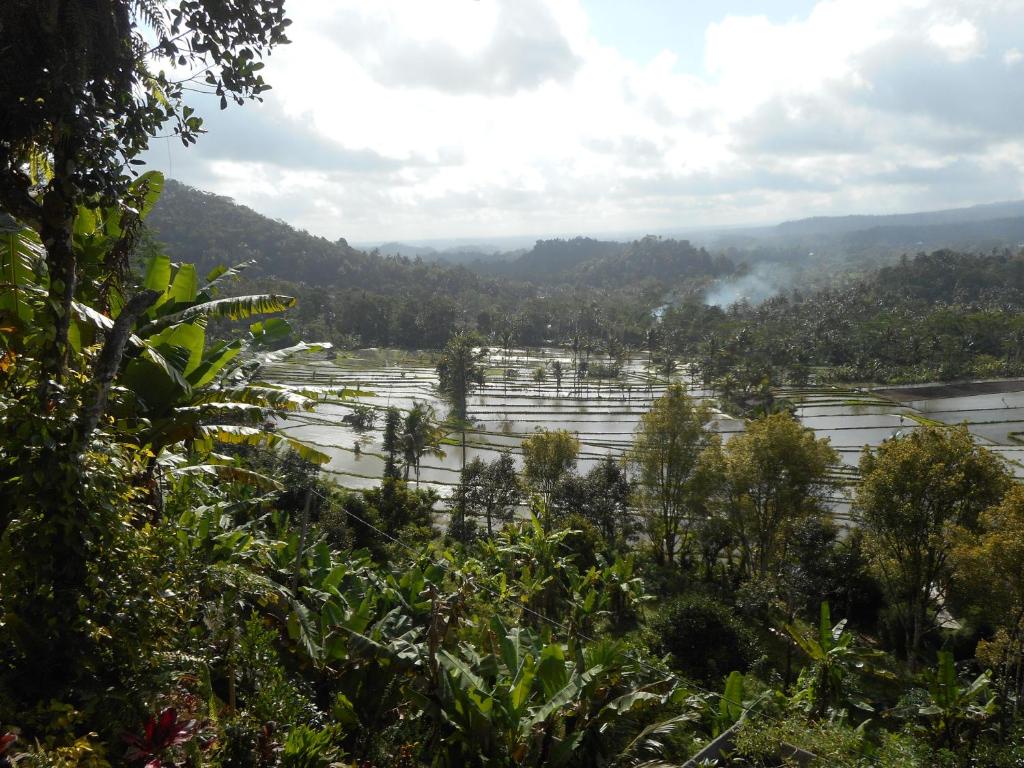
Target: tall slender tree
x=558 y=372
x=391 y=443
x=460 y=371
x=665 y=458
x=420 y=435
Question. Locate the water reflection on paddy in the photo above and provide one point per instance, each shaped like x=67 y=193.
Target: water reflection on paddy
x=604 y=414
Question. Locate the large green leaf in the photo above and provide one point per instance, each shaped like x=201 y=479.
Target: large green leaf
x=269 y=397
x=280 y=355
x=221 y=275
x=86 y=222
x=185 y=285
x=87 y=320
x=148 y=187
x=215 y=411
x=234 y=434
x=156 y=382
x=460 y=670
x=730 y=707
x=158 y=273
x=22 y=270
x=560 y=698
x=189 y=336
x=235 y=308
x=552 y=670
x=230 y=473
x=213 y=362
x=270 y=332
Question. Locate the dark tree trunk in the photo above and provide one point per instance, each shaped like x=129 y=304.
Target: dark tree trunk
x=109 y=361
x=57 y=228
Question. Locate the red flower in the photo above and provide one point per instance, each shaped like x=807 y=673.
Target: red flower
x=160 y=734
x=5 y=743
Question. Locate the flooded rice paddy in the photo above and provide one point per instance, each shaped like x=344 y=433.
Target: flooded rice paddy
x=604 y=413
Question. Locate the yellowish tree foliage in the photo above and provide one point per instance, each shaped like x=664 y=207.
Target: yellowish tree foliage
x=914 y=491
x=988 y=566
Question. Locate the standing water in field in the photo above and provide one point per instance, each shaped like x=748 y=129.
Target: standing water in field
x=515 y=400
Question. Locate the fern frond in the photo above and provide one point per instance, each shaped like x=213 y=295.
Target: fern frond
x=151 y=12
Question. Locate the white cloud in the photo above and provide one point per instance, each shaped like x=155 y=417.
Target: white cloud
x=959 y=40
x=410 y=119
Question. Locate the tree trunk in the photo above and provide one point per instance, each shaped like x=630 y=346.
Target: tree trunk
x=57 y=228
x=462 y=498
x=108 y=363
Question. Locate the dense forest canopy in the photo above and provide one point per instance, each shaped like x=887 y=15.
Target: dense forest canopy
x=938 y=315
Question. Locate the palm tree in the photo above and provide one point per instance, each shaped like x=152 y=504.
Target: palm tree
x=651 y=340
x=508 y=333
x=460 y=371
x=420 y=435
x=558 y=371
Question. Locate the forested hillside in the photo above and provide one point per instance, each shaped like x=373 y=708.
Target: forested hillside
x=208 y=229
x=602 y=263
x=352 y=297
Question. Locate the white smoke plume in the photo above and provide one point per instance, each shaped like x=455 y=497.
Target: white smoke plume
x=759 y=284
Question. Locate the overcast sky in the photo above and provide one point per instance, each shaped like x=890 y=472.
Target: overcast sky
x=414 y=119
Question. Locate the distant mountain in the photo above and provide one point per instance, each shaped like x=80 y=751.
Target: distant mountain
x=835 y=225
x=841 y=242
x=550 y=258
x=404 y=249
x=978 y=236
x=604 y=263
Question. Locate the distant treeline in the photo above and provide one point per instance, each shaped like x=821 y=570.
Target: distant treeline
x=942 y=315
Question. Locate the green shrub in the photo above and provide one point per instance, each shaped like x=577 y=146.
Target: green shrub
x=266 y=691
x=705 y=638
x=306 y=747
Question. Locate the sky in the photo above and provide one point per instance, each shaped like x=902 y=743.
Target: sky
x=413 y=120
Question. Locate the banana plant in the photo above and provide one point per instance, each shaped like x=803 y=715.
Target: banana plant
x=170 y=384
x=627 y=593
x=523 y=701
x=731 y=705
x=202 y=393
x=825 y=686
x=954 y=709
x=22 y=273
x=539 y=569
